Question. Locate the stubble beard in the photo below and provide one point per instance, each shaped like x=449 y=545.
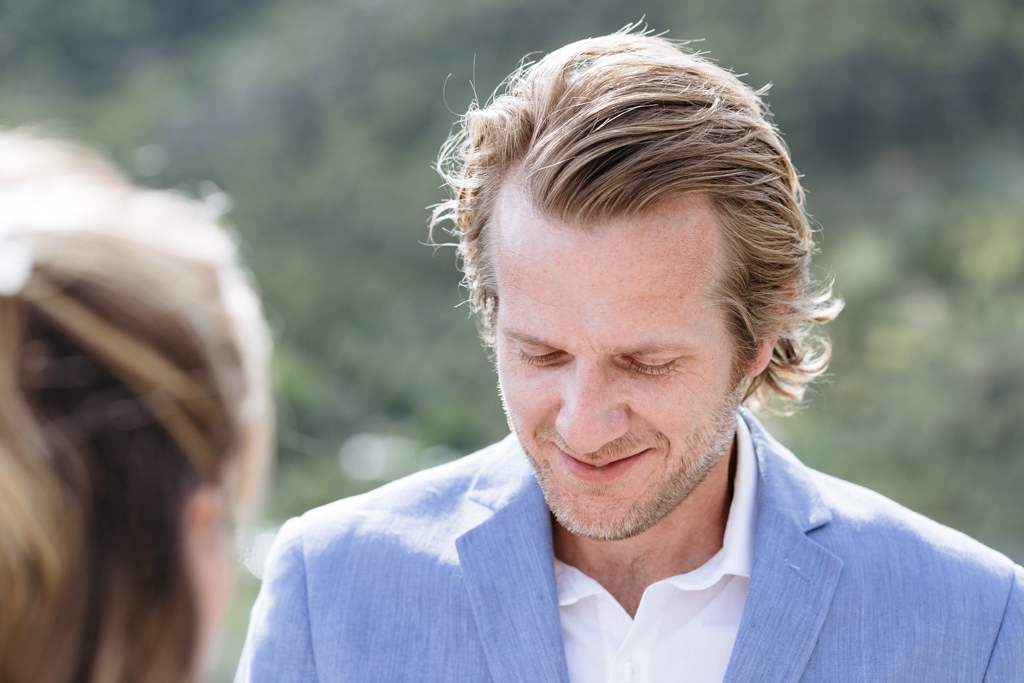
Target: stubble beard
x=583 y=515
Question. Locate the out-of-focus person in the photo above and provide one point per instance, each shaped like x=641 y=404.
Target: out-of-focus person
x=134 y=420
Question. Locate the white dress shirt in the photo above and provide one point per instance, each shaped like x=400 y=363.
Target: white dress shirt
x=685 y=626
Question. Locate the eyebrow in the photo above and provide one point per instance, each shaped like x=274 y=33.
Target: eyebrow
x=526 y=338
x=643 y=350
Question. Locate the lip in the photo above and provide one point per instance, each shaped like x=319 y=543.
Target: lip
x=600 y=475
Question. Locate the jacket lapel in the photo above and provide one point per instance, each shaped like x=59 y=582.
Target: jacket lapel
x=793 y=578
x=508 y=566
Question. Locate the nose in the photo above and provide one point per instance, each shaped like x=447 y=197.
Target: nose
x=593 y=412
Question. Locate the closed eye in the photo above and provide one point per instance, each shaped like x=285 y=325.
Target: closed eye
x=645 y=369
x=540 y=359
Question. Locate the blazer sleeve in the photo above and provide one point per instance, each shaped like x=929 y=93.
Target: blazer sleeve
x=278 y=646
x=1007 y=662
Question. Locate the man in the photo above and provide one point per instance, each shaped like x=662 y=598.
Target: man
x=634 y=241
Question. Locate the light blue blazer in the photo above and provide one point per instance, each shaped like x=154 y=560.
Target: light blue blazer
x=447 y=575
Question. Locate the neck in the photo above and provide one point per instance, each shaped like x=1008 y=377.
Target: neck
x=685 y=539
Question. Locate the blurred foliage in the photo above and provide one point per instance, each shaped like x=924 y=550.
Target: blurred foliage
x=320 y=120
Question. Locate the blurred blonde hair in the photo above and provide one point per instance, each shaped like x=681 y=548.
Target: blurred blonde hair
x=132 y=369
x=607 y=127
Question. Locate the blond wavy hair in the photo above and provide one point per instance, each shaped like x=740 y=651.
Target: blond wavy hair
x=132 y=369
x=608 y=127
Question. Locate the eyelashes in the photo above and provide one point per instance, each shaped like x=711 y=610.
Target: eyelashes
x=645 y=369
x=556 y=357
x=543 y=359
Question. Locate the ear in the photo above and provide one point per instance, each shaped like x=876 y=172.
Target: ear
x=762 y=357
x=205 y=511
x=767 y=346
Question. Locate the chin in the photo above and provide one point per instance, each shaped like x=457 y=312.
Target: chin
x=600 y=527
x=610 y=520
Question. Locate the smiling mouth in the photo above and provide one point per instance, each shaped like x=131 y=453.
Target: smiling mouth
x=611 y=462
x=605 y=472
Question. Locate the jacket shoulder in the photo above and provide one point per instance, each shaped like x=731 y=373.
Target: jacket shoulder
x=384 y=562
x=914 y=597
x=867 y=522
x=418 y=516
x=863 y=527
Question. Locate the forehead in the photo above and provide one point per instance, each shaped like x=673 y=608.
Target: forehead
x=641 y=275
x=672 y=246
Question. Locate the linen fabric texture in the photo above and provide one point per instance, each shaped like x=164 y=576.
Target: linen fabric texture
x=447 y=575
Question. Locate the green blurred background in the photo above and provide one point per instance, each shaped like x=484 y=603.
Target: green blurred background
x=315 y=124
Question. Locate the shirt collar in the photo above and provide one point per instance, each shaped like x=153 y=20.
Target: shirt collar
x=734 y=558
x=736 y=555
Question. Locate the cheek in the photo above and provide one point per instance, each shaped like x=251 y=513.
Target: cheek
x=512 y=383
x=528 y=393
x=212 y=566
x=675 y=404
x=224 y=568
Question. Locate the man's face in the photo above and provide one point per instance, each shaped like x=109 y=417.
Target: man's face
x=616 y=369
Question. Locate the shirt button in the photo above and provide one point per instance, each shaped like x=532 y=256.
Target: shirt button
x=628 y=673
